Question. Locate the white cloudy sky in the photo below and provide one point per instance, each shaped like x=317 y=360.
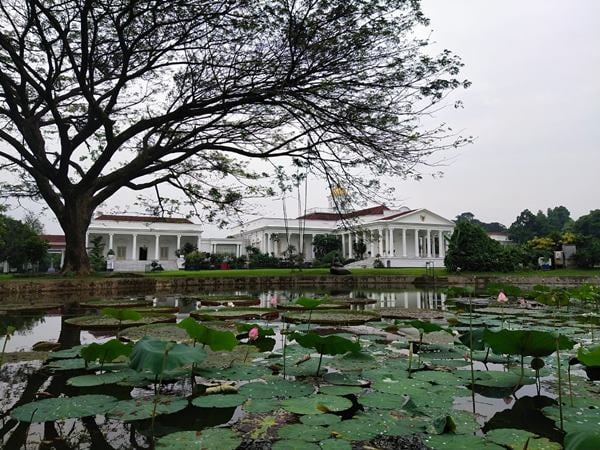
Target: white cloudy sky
x=534 y=108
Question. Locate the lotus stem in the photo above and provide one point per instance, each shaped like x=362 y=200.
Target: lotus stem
x=420 y=345
x=410 y=356
x=560 y=405
x=570 y=385
x=284 y=334
x=6 y=338
x=319 y=365
x=309 y=317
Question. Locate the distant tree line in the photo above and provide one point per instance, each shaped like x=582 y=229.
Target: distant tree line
x=21 y=244
x=531 y=236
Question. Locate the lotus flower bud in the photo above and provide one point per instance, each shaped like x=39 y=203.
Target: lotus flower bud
x=502 y=298
x=253 y=334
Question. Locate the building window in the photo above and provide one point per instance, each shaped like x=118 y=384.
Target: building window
x=164 y=253
x=121 y=252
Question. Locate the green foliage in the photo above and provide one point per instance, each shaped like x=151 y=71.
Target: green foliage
x=509 y=290
x=106 y=352
x=309 y=303
x=262 y=331
x=63 y=408
x=528 y=226
x=96 y=255
x=471 y=249
x=489 y=227
x=328 y=345
x=525 y=342
x=215 y=339
x=20 y=244
x=588 y=252
x=589 y=357
x=217 y=438
x=359 y=248
x=326 y=244
x=160 y=356
x=121 y=314
x=588 y=225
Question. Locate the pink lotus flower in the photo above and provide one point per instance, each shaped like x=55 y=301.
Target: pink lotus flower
x=502 y=298
x=274 y=301
x=253 y=334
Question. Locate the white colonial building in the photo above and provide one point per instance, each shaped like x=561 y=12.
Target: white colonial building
x=400 y=238
x=138 y=240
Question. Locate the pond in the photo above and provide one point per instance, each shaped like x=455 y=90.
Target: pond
x=323 y=368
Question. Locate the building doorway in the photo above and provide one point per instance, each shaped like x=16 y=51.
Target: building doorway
x=143 y=254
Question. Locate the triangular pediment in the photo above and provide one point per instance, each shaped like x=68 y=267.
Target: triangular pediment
x=416 y=217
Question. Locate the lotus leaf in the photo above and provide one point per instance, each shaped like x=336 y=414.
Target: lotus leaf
x=442 y=425
x=316 y=404
x=328 y=345
x=115 y=303
x=340 y=390
x=309 y=303
x=335 y=444
x=121 y=314
x=290 y=444
x=424 y=326
x=331 y=317
x=437 y=377
x=276 y=389
x=98 y=322
x=100 y=379
x=460 y=442
x=303 y=432
x=320 y=419
x=589 y=358
x=515 y=439
x=60 y=408
x=67 y=364
x=143 y=408
x=106 y=352
x=477 y=336
x=241 y=300
x=209 y=438
x=525 y=342
x=383 y=401
x=68 y=353
x=235 y=372
x=162 y=331
x=235 y=313
x=582 y=440
x=342 y=379
x=215 y=339
x=160 y=356
x=219 y=401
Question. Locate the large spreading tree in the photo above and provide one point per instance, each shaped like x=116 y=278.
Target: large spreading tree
x=98 y=96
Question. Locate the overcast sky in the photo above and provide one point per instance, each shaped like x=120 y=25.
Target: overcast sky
x=534 y=109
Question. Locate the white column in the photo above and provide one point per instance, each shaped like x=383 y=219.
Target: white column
x=380 y=236
x=198 y=242
x=429 y=243
x=372 y=243
x=134 y=251
x=392 y=253
x=417 y=244
x=178 y=242
x=62 y=258
x=343 y=245
x=272 y=244
x=441 y=239
x=111 y=241
x=404 y=242
x=87 y=239
x=156 y=247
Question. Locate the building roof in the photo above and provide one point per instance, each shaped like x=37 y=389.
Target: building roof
x=54 y=238
x=151 y=219
x=374 y=210
x=400 y=214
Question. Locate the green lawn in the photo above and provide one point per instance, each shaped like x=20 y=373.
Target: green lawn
x=241 y=273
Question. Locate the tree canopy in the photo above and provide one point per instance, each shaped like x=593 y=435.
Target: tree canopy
x=19 y=244
x=489 y=227
x=96 y=97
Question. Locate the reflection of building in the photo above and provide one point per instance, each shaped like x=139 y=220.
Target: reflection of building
x=401 y=238
x=138 y=240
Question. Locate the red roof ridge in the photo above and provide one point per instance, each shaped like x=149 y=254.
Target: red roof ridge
x=131 y=218
x=394 y=216
x=373 y=210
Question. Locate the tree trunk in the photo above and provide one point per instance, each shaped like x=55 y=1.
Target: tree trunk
x=75 y=221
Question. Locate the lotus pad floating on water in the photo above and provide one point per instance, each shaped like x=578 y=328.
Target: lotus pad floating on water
x=303 y=432
x=219 y=401
x=398 y=313
x=331 y=317
x=59 y=408
x=98 y=322
x=166 y=331
x=316 y=404
x=116 y=303
x=138 y=409
x=209 y=438
x=238 y=300
x=276 y=389
x=326 y=306
x=29 y=308
x=235 y=313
